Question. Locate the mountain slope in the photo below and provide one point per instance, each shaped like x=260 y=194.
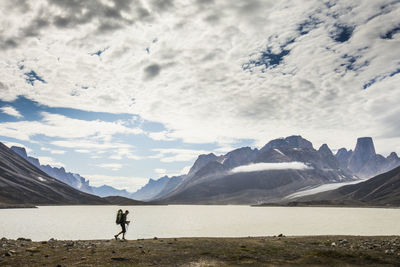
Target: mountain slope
x=21 y=182
x=72 y=179
x=383 y=189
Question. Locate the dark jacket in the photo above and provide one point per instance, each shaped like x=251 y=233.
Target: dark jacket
x=123 y=219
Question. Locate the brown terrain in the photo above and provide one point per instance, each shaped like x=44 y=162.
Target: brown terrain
x=250 y=251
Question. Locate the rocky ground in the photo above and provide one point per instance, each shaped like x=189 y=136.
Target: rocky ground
x=251 y=251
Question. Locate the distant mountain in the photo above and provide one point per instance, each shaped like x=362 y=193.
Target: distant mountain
x=212 y=181
x=118 y=200
x=72 y=179
x=23 y=183
x=383 y=189
x=106 y=190
x=364 y=162
x=157 y=188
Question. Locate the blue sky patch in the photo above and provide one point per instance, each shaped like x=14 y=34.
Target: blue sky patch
x=99 y=52
x=308 y=25
x=342 y=33
x=389 y=34
x=31 y=77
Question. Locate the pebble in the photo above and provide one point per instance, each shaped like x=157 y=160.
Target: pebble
x=33 y=249
x=155 y=238
x=24 y=239
x=333 y=244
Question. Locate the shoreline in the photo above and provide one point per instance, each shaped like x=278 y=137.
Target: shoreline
x=331 y=250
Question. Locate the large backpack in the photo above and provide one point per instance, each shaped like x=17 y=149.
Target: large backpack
x=119 y=217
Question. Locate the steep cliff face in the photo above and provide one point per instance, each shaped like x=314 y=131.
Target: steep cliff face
x=363 y=153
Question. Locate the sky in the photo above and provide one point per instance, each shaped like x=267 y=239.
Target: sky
x=121 y=91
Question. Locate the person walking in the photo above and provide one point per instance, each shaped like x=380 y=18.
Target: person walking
x=122 y=220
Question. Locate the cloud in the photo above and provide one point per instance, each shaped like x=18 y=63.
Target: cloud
x=256 y=167
x=55 y=125
x=309 y=62
x=131 y=184
x=53 y=151
x=11 y=111
x=112 y=166
x=50 y=161
x=123 y=152
x=82 y=150
x=160 y=172
x=176 y=154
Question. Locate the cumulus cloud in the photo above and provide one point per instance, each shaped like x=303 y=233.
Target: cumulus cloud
x=53 y=151
x=177 y=154
x=50 y=161
x=230 y=69
x=256 y=167
x=111 y=166
x=11 y=111
x=55 y=125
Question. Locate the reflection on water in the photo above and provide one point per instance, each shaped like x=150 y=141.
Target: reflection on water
x=98 y=222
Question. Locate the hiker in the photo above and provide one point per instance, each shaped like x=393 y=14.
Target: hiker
x=121 y=220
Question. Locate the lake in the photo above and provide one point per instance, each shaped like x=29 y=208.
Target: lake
x=98 y=222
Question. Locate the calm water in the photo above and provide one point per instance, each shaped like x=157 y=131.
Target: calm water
x=98 y=222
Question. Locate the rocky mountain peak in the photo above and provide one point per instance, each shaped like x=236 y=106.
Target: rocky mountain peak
x=294 y=141
x=238 y=157
x=20 y=151
x=393 y=157
x=325 y=150
x=365 y=146
x=202 y=161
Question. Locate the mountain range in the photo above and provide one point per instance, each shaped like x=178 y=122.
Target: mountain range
x=243 y=176
x=214 y=180
x=23 y=183
x=72 y=179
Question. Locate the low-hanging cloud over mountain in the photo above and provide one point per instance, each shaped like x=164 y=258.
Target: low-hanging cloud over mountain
x=256 y=167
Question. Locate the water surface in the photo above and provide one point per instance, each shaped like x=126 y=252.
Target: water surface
x=98 y=222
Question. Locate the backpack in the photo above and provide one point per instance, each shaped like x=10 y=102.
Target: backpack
x=119 y=217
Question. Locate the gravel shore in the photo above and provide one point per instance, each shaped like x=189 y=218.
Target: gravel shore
x=250 y=251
